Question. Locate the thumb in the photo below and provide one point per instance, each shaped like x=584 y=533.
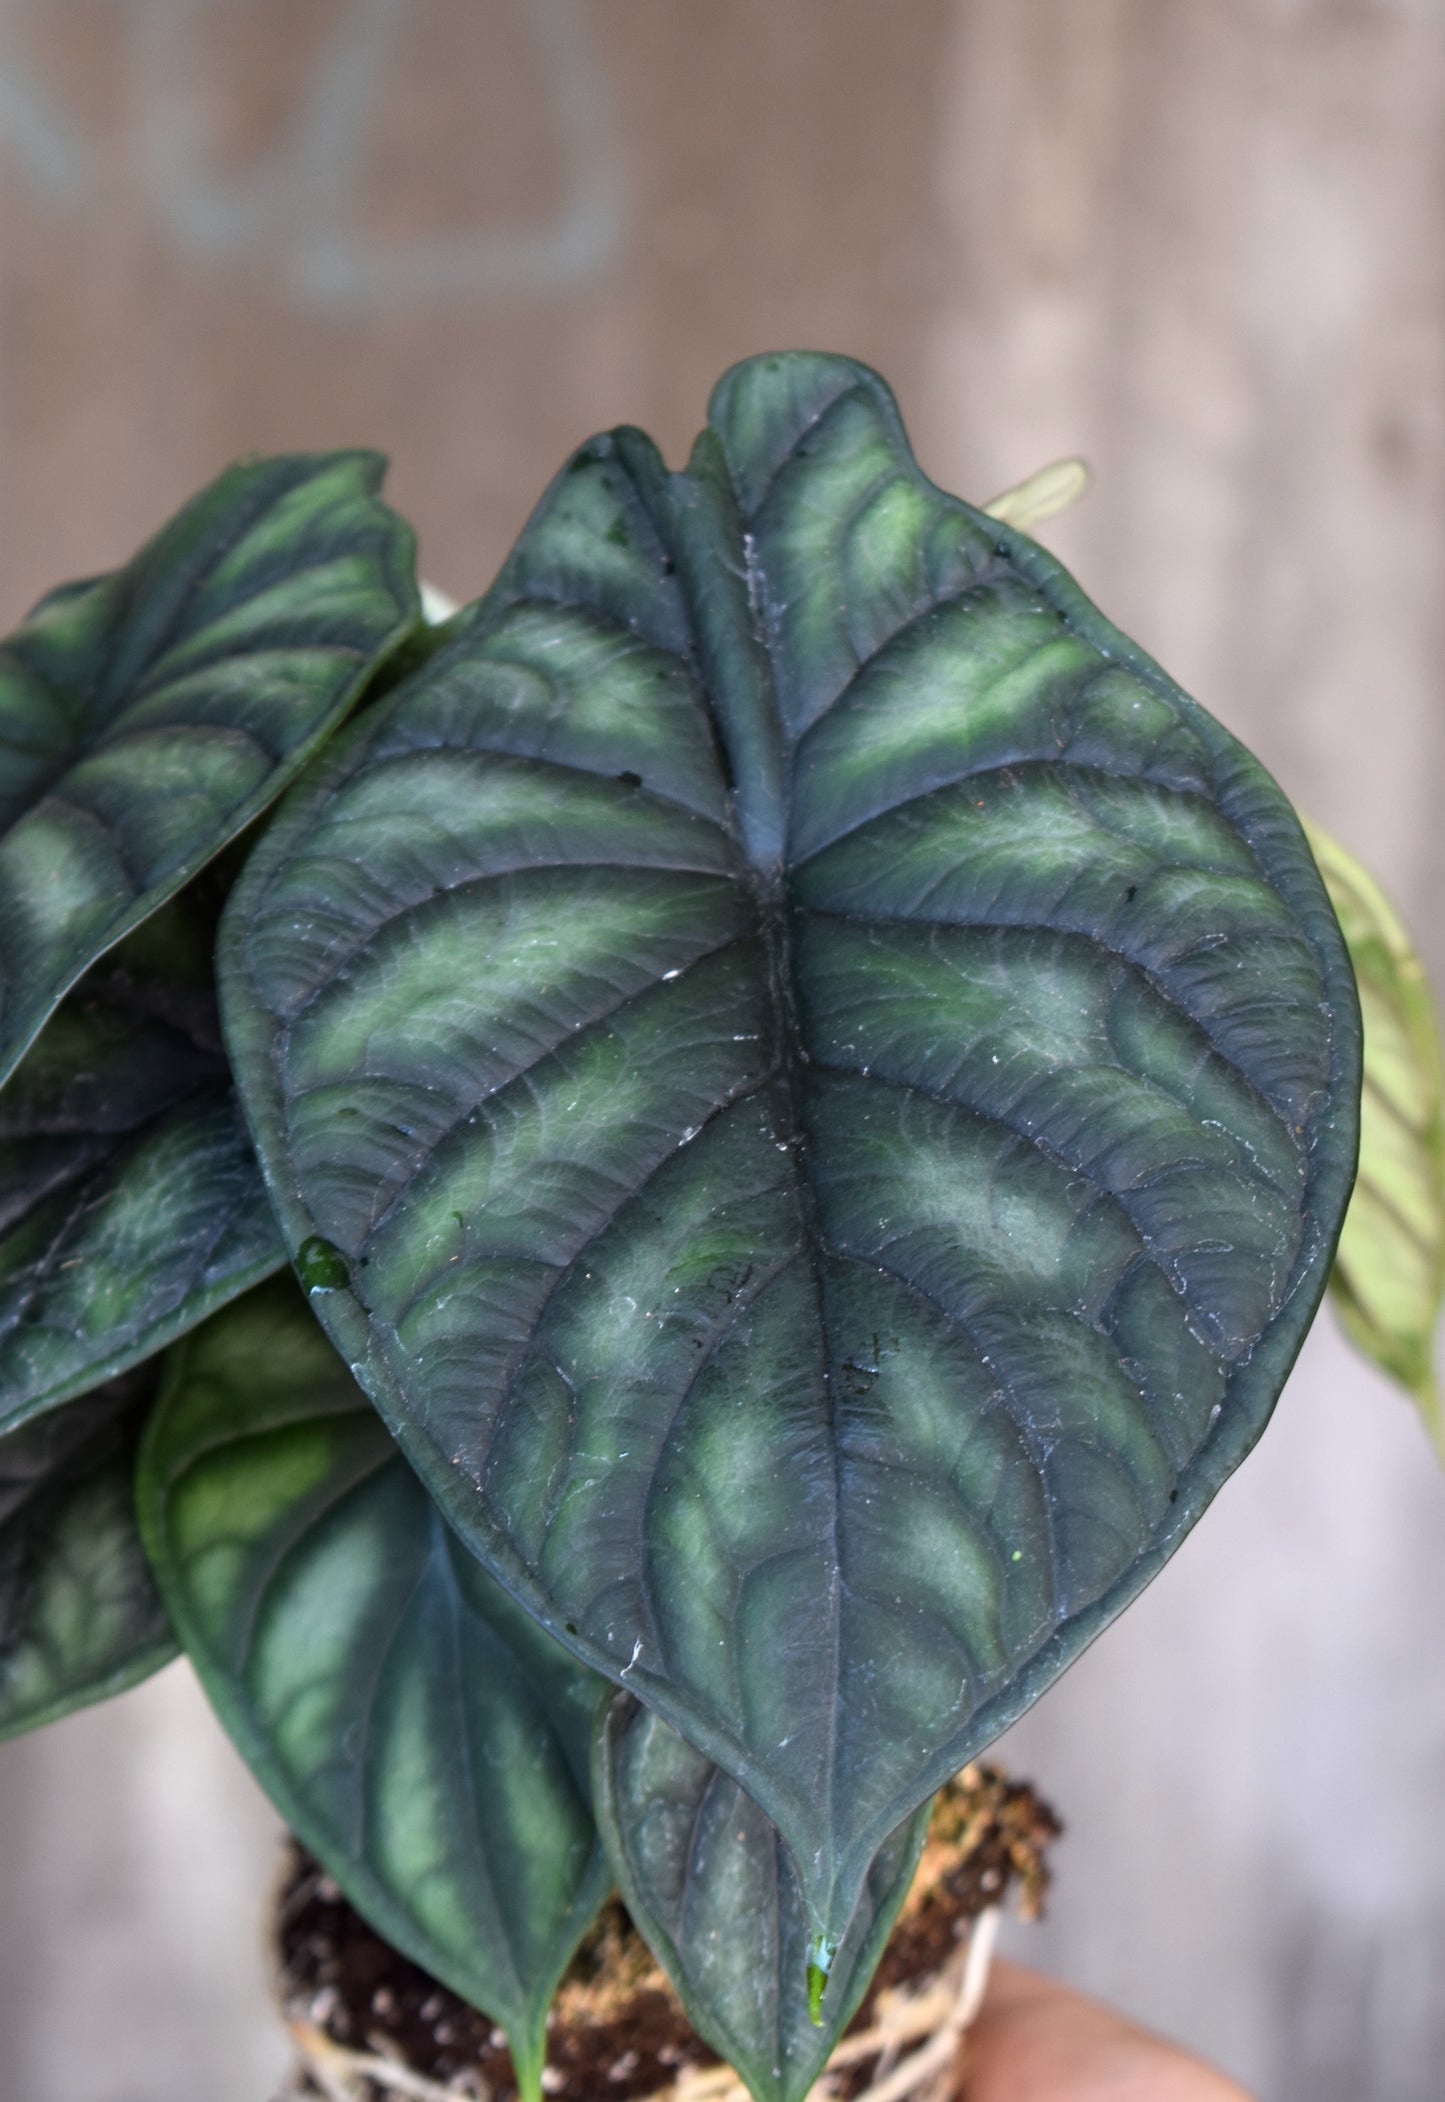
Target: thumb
x=1038 y=2041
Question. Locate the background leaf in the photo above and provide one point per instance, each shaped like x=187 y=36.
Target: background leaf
x=710 y=1885
x=131 y=1205
x=148 y=715
x=825 y=1087
x=80 y=1617
x=414 y=1727
x=1389 y=1276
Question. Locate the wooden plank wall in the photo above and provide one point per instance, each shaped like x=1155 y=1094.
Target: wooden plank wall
x=1198 y=240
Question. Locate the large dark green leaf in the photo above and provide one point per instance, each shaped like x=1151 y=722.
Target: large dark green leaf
x=709 y=1882
x=147 y=715
x=131 y=1205
x=822 y=1089
x=425 y=1739
x=80 y=1617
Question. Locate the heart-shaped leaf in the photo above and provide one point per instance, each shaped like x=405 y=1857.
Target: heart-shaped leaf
x=131 y=1205
x=80 y=1617
x=710 y=1884
x=1389 y=1276
x=820 y=1086
x=422 y=1736
x=146 y=716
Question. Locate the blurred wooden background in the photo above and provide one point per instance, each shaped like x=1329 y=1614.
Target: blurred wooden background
x=1199 y=241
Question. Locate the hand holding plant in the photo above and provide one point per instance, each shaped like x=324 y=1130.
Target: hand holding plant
x=1036 y=2041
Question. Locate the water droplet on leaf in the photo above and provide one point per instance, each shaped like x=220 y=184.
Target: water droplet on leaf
x=320 y=1267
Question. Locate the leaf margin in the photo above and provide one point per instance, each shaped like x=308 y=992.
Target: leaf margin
x=364 y=1888
x=1264 y=818
x=369 y=467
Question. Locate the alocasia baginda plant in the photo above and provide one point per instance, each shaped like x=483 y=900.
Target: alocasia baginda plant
x=809 y=1092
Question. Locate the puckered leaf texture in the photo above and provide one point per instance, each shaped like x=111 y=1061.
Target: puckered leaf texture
x=830 y=1085
x=420 y=1733
x=709 y=1882
x=131 y=1205
x=80 y=1616
x=147 y=715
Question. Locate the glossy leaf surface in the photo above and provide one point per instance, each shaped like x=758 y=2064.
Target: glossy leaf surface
x=131 y=1205
x=829 y=1085
x=710 y=1884
x=422 y=1736
x=147 y=715
x=1389 y=1274
x=80 y=1616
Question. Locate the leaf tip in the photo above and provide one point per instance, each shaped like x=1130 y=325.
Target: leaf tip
x=821 y=1952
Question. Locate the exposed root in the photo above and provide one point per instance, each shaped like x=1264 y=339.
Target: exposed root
x=346 y=2076
x=370 y=2027
x=934 y=2020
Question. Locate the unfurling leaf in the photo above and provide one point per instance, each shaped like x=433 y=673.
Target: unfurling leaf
x=710 y=1884
x=148 y=715
x=80 y=1617
x=1389 y=1274
x=422 y=1736
x=1042 y=496
x=833 y=1086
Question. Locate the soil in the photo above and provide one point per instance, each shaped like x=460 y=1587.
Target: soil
x=617 y=2029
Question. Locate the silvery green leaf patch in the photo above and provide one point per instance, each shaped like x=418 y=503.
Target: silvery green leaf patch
x=147 y=715
x=813 y=1087
x=421 y=1734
